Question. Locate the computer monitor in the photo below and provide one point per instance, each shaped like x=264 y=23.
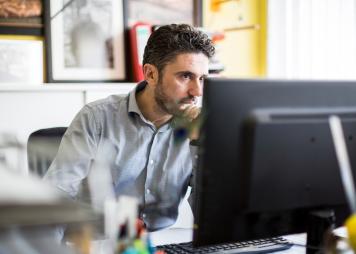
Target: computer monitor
x=267 y=158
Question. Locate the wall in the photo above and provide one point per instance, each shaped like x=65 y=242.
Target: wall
x=243 y=52
x=27 y=108
x=312 y=39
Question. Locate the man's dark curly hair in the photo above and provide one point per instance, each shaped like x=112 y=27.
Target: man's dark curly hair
x=168 y=41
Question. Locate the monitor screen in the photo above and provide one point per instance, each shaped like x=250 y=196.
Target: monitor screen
x=267 y=158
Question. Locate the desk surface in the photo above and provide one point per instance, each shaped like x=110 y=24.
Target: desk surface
x=178 y=235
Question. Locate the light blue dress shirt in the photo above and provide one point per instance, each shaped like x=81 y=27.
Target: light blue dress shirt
x=144 y=162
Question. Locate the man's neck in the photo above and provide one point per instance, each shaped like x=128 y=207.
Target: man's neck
x=149 y=108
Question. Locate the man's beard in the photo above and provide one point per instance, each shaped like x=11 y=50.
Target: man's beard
x=168 y=105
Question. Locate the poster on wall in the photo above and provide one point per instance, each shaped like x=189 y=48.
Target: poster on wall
x=85 y=40
x=21 y=17
x=21 y=59
x=162 y=12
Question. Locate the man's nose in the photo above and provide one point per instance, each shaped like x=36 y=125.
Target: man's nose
x=196 y=88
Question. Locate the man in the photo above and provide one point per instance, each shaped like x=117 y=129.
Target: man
x=147 y=162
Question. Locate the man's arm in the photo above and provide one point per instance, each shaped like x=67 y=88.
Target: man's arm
x=76 y=152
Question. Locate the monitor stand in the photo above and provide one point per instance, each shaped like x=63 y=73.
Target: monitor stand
x=319 y=224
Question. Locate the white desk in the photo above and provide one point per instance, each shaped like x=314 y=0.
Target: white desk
x=178 y=235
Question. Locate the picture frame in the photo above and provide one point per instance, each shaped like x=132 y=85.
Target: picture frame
x=21 y=17
x=162 y=12
x=85 y=40
x=23 y=26
x=21 y=59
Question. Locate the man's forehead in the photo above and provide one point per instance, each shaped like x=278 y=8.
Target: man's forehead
x=196 y=63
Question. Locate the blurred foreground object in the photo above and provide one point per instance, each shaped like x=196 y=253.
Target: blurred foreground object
x=12 y=153
x=139 y=242
x=336 y=242
x=346 y=175
x=351 y=229
x=31 y=213
x=186 y=126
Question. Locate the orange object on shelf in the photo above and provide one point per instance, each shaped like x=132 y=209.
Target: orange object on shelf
x=215 y=4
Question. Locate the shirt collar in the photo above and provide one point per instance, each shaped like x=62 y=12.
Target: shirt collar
x=133 y=107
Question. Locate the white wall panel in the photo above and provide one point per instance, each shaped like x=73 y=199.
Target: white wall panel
x=23 y=112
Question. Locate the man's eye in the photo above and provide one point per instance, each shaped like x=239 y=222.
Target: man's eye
x=186 y=76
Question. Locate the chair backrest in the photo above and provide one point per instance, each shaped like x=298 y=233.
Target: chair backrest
x=42 y=147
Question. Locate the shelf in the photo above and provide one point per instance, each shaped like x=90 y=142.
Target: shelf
x=47 y=87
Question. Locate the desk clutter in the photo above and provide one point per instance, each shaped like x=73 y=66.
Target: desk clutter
x=139 y=244
x=32 y=214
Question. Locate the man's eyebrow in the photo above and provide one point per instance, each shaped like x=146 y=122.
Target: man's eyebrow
x=185 y=72
x=190 y=73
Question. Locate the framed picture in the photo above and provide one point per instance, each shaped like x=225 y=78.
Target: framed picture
x=162 y=12
x=22 y=17
x=21 y=26
x=21 y=59
x=85 y=40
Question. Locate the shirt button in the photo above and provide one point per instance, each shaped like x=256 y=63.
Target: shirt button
x=148 y=191
x=151 y=162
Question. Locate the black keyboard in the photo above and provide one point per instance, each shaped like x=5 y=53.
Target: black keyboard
x=256 y=246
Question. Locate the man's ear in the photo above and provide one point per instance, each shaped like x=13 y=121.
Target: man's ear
x=150 y=73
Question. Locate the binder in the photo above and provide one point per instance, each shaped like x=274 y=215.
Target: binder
x=139 y=34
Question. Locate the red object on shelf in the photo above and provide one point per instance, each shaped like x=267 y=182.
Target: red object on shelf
x=139 y=34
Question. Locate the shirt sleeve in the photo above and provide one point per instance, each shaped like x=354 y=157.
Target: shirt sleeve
x=75 y=154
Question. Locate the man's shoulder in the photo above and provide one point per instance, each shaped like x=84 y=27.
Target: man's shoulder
x=112 y=102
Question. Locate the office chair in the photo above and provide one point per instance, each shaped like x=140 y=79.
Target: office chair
x=42 y=147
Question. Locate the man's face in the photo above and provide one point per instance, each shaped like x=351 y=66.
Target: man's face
x=181 y=82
